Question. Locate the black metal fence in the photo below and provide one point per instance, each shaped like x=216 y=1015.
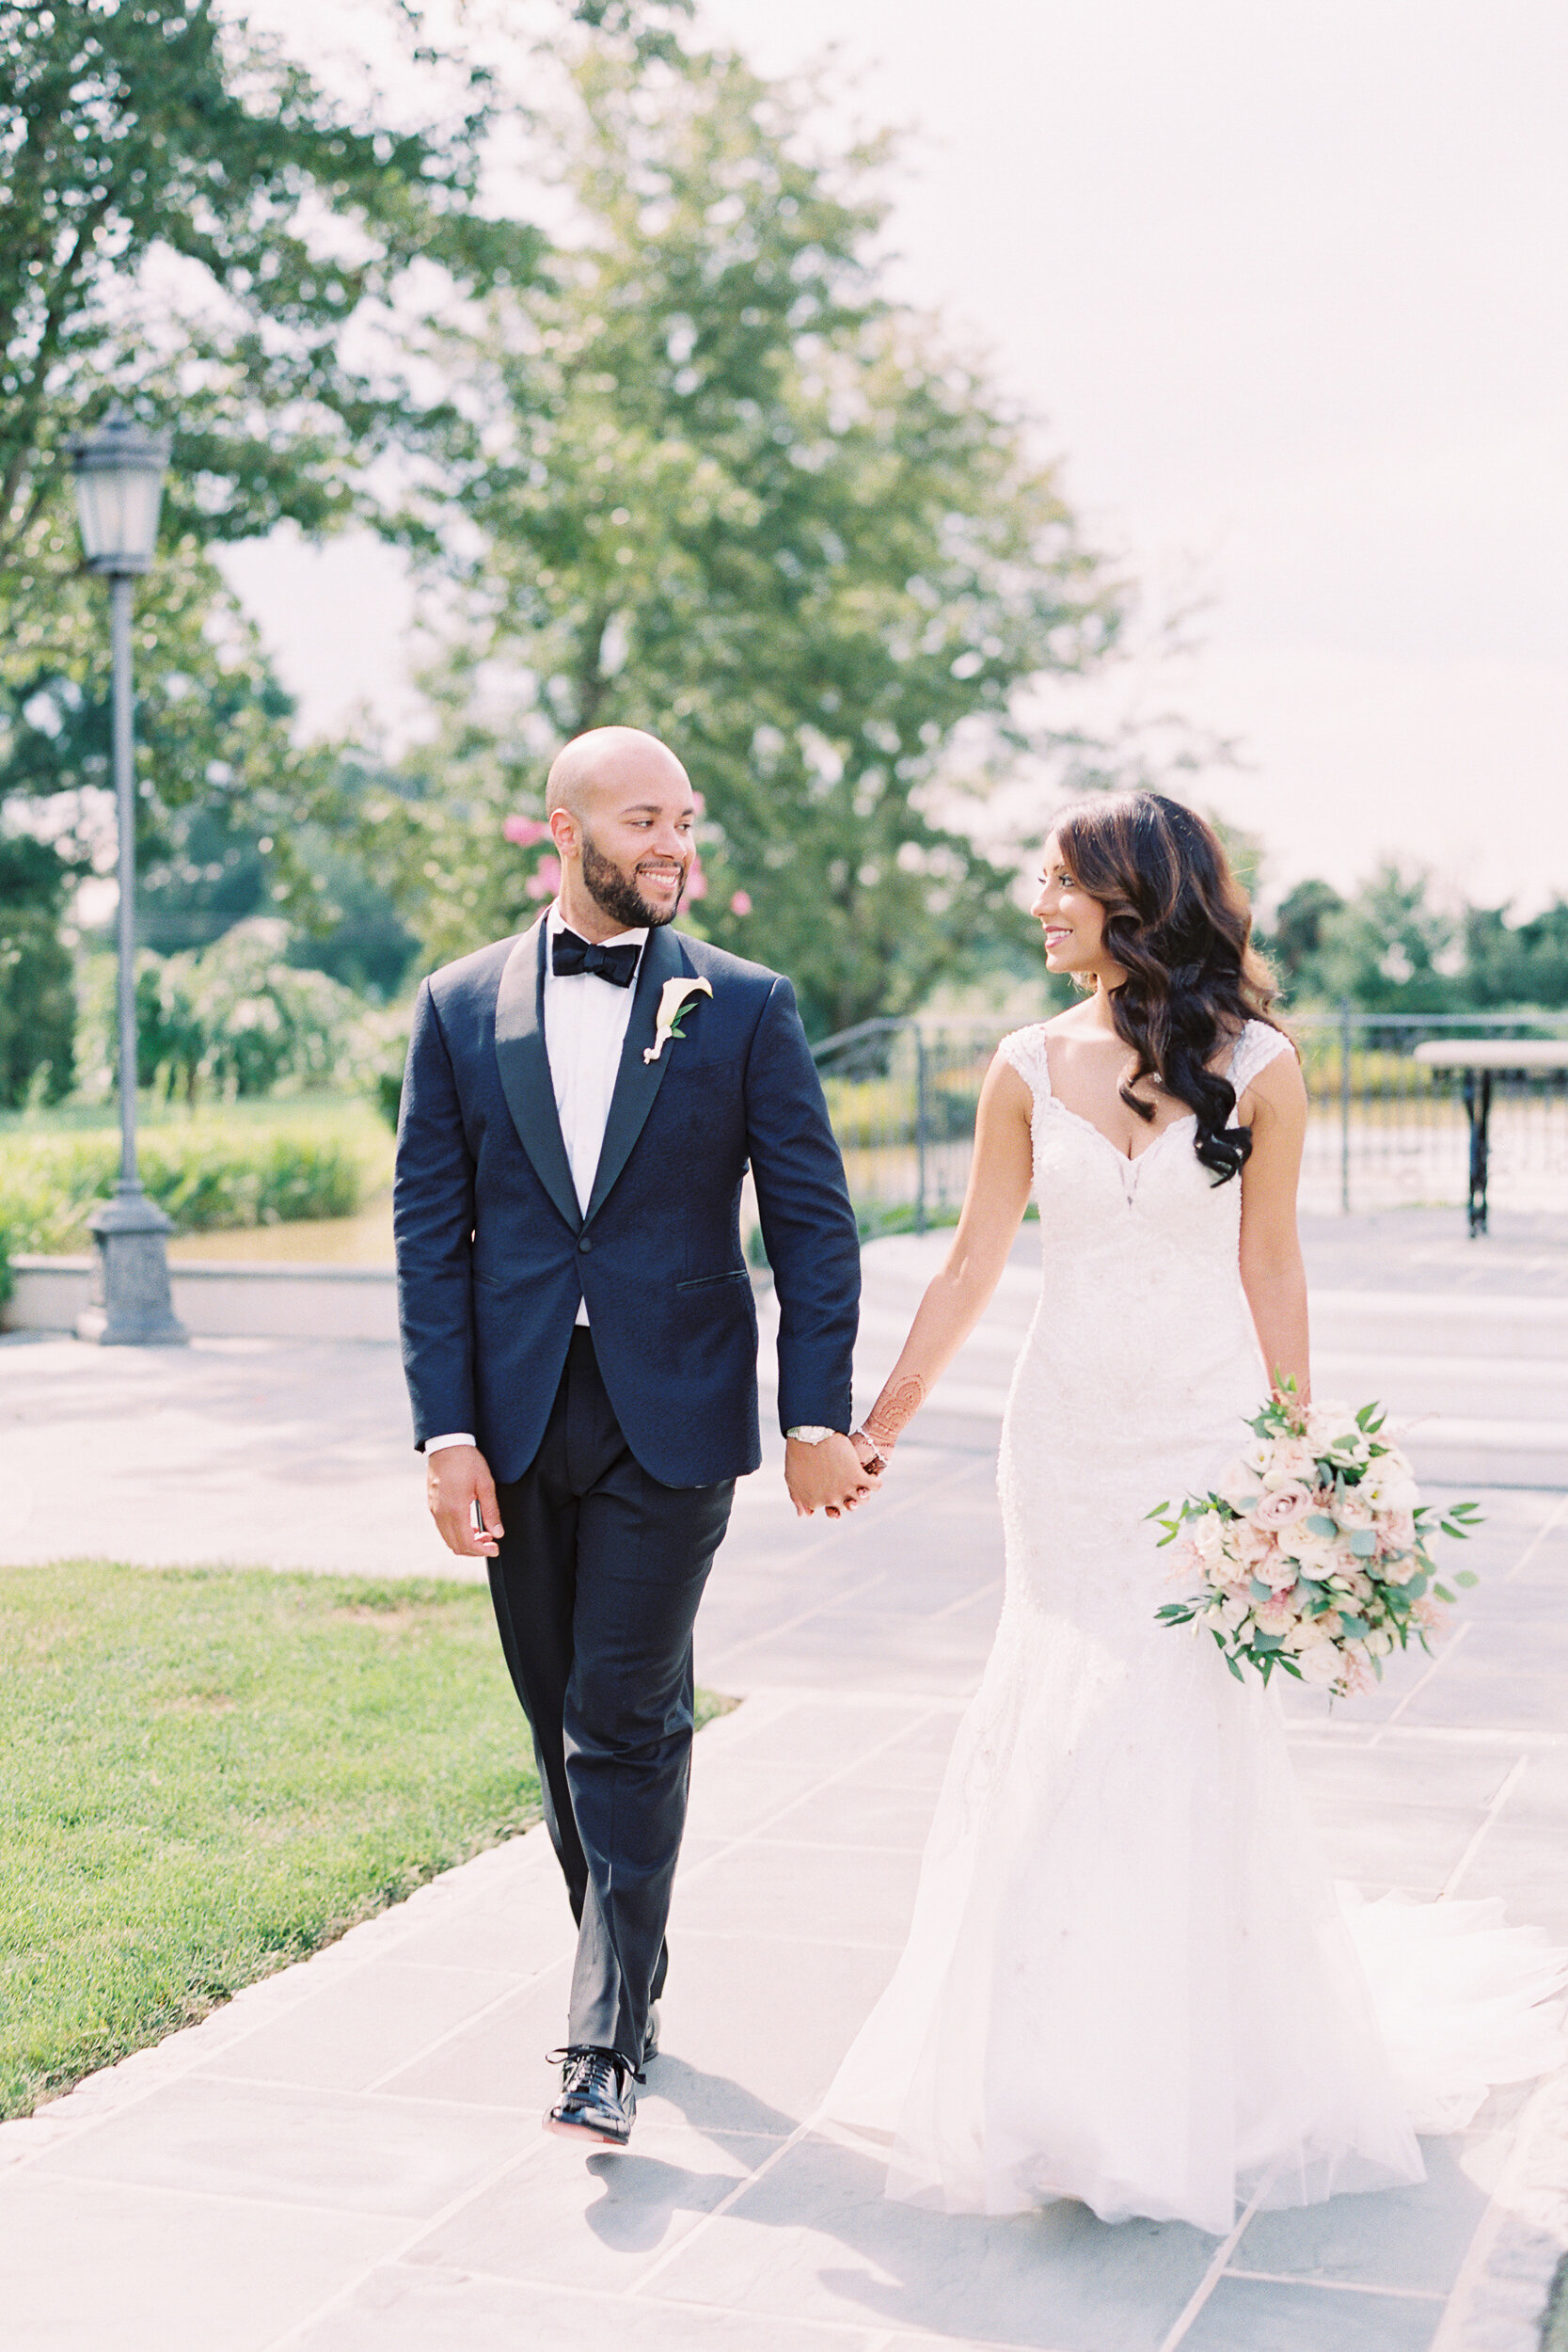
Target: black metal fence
x=1386 y=1130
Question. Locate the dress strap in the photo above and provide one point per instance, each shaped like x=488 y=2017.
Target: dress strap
x=1026 y=1052
x=1257 y=1047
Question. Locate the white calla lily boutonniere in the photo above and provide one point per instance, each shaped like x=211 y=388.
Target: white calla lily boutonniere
x=673 y=999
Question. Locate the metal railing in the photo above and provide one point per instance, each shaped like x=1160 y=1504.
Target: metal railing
x=1383 y=1130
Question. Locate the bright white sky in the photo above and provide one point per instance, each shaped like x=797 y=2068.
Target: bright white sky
x=1285 y=285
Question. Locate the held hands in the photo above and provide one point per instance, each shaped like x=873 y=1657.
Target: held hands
x=832 y=1475
x=835 y=1473
x=456 y=1479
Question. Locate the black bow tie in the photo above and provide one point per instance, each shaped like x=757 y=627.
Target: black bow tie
x=570 y=953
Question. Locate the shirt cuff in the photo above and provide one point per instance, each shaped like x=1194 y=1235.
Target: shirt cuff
x=454 y=1436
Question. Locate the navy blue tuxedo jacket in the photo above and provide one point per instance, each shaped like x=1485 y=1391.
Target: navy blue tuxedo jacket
x=494 y=1254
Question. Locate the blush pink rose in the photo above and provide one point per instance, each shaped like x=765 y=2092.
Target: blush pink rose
x=1253 y=1546
x=1281 y=1506
x=1187 y=1562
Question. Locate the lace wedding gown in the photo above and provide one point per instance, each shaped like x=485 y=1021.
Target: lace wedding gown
x=1128 y=1979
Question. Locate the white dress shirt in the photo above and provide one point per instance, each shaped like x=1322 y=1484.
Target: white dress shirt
x=585 y=1028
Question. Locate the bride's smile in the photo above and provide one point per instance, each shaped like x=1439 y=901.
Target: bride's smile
x=1072 y=923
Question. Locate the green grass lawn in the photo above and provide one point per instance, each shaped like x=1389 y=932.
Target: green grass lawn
x=205 y=1774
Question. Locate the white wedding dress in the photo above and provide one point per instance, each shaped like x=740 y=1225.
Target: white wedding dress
x=1128 y=1979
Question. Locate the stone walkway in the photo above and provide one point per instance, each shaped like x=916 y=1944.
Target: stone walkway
x=350 y=2157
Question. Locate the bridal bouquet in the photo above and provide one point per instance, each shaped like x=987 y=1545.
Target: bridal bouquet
x=1313 y=1553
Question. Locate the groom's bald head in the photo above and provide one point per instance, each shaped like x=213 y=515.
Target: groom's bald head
x=612 y=765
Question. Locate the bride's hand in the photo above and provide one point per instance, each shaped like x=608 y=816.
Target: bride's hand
x=874 y=1458
x=892 y=1413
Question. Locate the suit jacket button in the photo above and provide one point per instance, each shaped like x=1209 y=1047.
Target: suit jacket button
x=585 y=1244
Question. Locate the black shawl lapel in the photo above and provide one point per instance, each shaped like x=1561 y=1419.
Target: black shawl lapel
x=637 y=1081
x=525 y=1069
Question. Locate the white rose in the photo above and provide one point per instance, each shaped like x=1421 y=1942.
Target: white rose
x=1327 y=1421
x=1316 y=1556
x=1207 y=1534
x=1379 y=1644
x=1321 y=1665
x=1308 y=1635
x=1291 y=1463
x=1384 y=1489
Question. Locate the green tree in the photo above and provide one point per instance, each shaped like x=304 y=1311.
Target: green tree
x=1390 y=948
x=191 y=225
x=1294 y=941
x=38 y=1003
x=1516 y=964
x=714 y=483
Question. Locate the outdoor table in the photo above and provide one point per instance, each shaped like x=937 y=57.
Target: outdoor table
x=1479 y=1057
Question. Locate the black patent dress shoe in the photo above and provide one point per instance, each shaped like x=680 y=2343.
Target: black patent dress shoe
x=597 y=2103
x=650 y=2038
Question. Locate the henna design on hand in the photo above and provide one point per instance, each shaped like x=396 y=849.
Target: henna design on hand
x=894 y=1409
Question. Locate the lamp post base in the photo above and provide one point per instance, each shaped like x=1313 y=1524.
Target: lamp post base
x=131 y=1306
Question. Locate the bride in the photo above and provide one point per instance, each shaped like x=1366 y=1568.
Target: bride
x=1128 y=1979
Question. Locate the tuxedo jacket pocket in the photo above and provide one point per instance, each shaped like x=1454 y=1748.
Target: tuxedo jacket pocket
x=707 y=1281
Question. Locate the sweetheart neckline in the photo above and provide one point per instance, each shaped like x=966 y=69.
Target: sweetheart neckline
x=1128 y=1159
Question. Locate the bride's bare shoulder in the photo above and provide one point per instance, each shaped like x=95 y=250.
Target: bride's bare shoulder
x=1018 y=1067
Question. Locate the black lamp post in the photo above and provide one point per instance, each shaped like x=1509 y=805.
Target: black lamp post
x=119 y=475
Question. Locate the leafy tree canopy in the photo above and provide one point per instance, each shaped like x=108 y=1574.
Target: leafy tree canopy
x=1396 y=946
x=713 y=484
x=190 y=225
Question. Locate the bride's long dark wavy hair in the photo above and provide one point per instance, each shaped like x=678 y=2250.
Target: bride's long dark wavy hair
x=1178 y=923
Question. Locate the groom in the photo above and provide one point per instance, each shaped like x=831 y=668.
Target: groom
x=580 y=1336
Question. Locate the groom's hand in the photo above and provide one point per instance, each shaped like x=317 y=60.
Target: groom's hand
x=455 y=1478
x=827 y=1476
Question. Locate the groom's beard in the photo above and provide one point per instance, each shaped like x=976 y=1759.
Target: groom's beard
x=619 y=896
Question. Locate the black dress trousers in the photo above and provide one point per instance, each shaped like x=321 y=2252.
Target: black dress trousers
x=596 y=1587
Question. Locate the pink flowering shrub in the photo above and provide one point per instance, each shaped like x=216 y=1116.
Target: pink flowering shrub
x=1313 y=1552
x=526 y=831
